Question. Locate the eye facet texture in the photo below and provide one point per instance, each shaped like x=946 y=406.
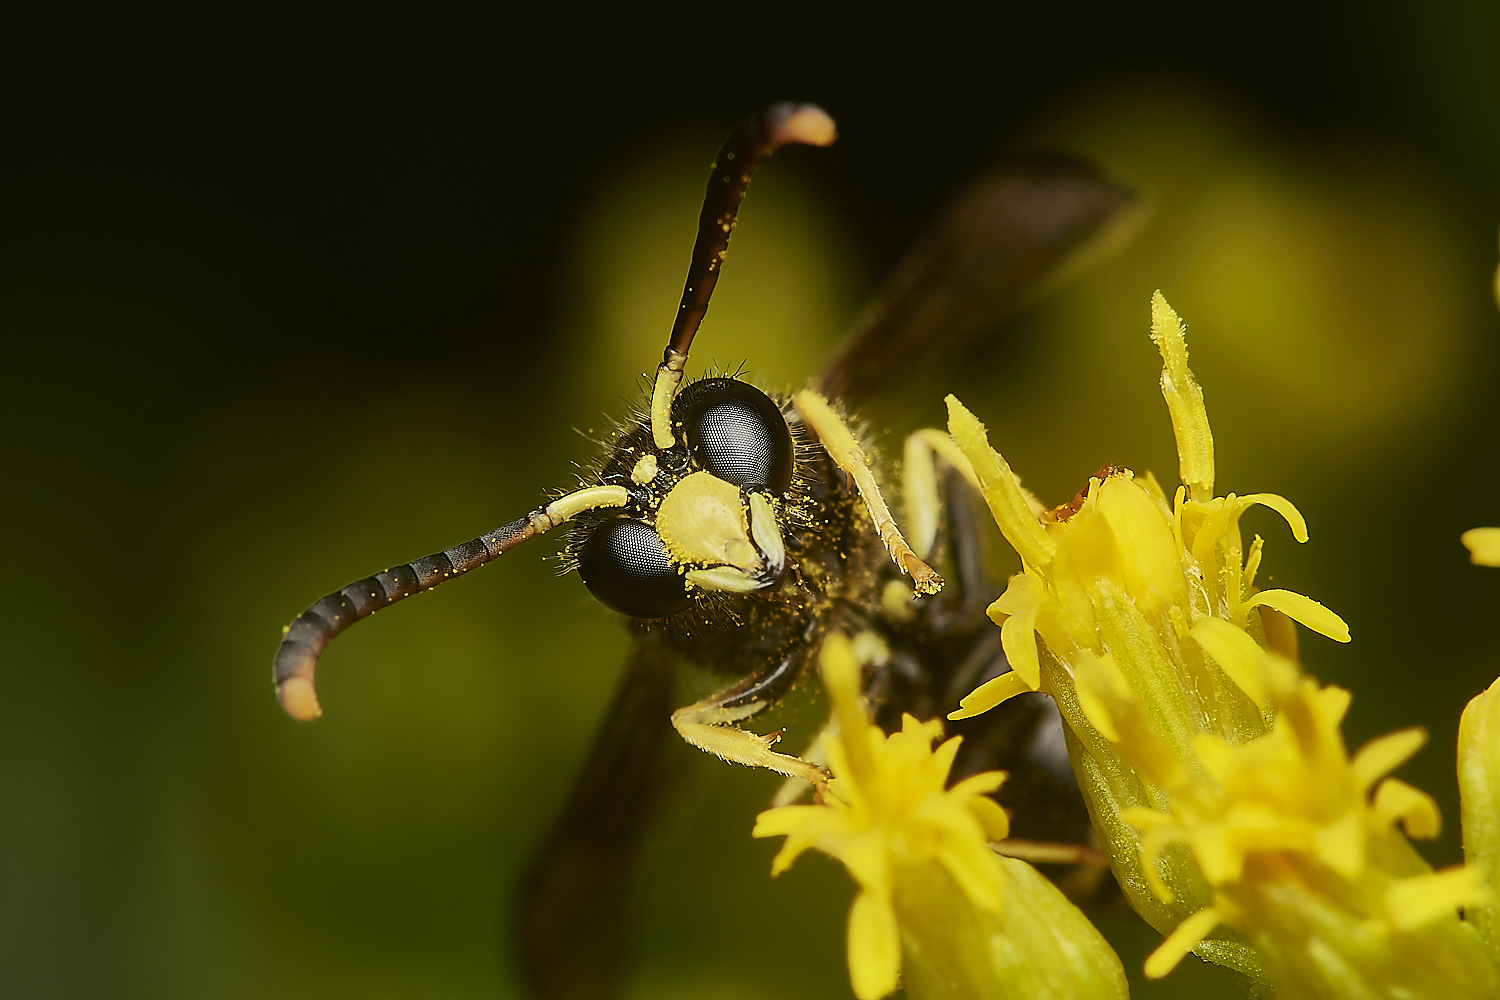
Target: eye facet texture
x=625 y=567
x=738 y=433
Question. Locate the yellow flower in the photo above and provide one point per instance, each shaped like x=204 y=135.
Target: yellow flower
x=1483 y=545
x=1175 y=563
x=1308 y=865
x=934 y=901
x=1214 y=770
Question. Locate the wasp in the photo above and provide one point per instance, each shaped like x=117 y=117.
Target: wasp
x=735 y=529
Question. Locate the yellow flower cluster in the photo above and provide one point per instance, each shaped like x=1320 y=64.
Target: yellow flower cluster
x=1305 y=863
x=1215 y=771
x=935 y=903
x=1131 y=567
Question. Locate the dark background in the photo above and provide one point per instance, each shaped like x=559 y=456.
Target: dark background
x=290 y=295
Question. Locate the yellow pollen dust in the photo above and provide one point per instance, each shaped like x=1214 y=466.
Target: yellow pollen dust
x=645 y=470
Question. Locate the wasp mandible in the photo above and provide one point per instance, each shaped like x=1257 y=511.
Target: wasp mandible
x=735 y=530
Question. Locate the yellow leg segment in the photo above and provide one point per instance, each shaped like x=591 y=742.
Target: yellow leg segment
x=710 y=727
x=837 y=440
x=793 y=789
x=926 y=451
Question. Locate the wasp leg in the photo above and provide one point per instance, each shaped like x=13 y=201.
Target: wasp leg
x=737 y=746
x=793 y=789
x=846 y=453
x=710 y=724
x=927 y=452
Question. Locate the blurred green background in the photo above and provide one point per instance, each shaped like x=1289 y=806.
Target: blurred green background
x=292 y=295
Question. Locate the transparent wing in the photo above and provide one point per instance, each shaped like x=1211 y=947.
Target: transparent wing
x=1012 y=230
x=573 y=914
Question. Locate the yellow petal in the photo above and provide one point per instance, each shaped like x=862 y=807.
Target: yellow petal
x=1384 y=754
x=993 y=818
x=1483 y=545
x=1023 y=593
x=1153 y=571
x=1282 y=506
x=1421 y=899
x=1236 y=653
x=824 y=828
x=978 y=784
x=1216 y=755
x=841 y=676
x=795 y=845
x=941 y=759
x=1148 y=482
x=998 y=484
x=974 y=867
x=1151 y=845
x=924 y=734
x=1094 y=686
x=1145 y=819
x=993 y=692
x=1253 y=827
x=1181 y=941
x=842 y=786
x=783 y=820
x=1018 y=639
x=1252 y=561
x=1015 y=611
x=874 y=947
x=1417 y=811
x=1210 y=522
x=867 y=856
x=1341 y=845
x=1479 y=798
x=1332 y=702
x=1305 y=610
x=1086 y=552
x=1195 y=441
x=1219 y=854
x=949 y=818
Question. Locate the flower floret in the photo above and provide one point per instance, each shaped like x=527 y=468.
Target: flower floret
x=920 y=852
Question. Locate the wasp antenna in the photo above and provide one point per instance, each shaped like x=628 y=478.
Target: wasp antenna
x=304 y=640
x=753 y=140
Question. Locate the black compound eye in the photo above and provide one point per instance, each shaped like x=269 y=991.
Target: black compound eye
x=737 y=433
x=625 y=566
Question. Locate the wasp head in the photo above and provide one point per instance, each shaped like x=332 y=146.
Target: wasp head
x=705 y=514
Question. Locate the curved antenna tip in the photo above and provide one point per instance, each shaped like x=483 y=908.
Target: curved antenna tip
x=807 y=124
x=297 y=696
